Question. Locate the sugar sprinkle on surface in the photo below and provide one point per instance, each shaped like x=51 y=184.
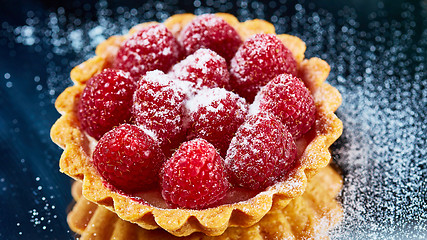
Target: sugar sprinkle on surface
x=380 y=71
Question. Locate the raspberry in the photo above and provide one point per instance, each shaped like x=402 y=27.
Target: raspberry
x=261 y=58
x=151 y=48
x=210 y=31
x=158 y=106
x=214 y=115
x=194 y=177
x=128 y=158
x=287 y=98
x=261 y=152
x=204 y=68
x=106 y=102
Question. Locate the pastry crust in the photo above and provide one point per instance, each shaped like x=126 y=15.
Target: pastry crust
x=313 y=147
x=309 y=216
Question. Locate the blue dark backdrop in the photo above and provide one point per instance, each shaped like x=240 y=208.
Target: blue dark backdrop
x=377 y=51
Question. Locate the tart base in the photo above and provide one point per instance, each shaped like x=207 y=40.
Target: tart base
x=309 y=216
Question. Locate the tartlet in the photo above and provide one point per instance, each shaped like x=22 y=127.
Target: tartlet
x=310 y=216
x=312 y=149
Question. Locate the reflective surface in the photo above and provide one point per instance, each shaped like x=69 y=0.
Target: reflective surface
x=377 y=51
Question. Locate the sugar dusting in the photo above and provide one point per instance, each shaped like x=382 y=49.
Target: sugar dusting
x=198 y=69
x=383 y=111
x=380 y=71
x=205 y=97
x=157 y=105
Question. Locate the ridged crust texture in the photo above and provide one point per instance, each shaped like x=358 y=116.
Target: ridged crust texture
x=313 y=147
x=310 y=216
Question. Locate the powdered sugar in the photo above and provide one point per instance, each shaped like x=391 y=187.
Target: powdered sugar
x=158 y=106
x=260 y=153
x=152 y=47
x=149 y=132
x=205 y=97
x=204 y=68
x=215 y=114
x=379 y=69
x=254 y=107
x=210 y=31
x=171 y=82
x=261 y=58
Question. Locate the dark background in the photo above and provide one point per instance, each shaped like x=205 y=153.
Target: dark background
x=377 y=51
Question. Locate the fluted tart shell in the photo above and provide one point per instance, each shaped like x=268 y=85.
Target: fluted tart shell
x=313 y=147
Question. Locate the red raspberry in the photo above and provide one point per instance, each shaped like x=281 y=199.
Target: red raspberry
x=106 y=102
x=158 y=106
x=287 y=98
x=214 y=115
x=128 y=158
x=204 y=68
x=261 y=58
x=210 y=31
x=194 y=177
x=151 y=48
x=261 y=152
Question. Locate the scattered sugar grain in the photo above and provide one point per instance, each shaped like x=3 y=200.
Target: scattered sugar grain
x=382 y=149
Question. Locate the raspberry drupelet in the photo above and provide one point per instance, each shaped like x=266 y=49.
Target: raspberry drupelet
x=158 y=106
x=151 y=48
x=194 y=177
x=204 y=68
x=210 y=31
x=287 y=98
x=214 y=115
x=128 y=158
x=106 y=102
x=260 y=153
x=260 y=58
